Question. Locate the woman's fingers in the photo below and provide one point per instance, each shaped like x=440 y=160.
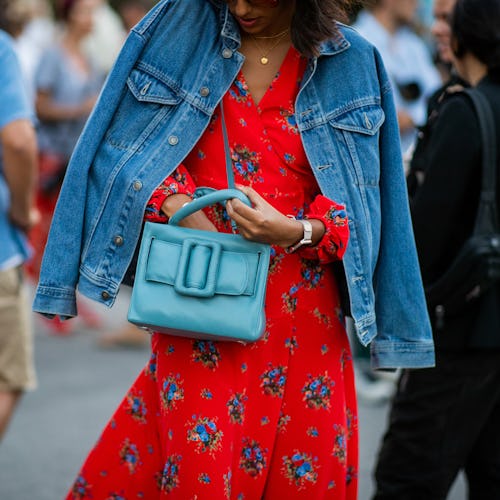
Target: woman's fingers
x=253 y=196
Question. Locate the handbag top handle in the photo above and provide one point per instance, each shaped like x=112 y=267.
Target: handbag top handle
x=487 y=216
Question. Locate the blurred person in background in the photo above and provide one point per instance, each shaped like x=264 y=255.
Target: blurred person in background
x=387 y=24
x=15 y=17
x=132 y=11
x=17 y=184
x=67 y=83
x=106 y=38
x=446 y=419
x=35 y=33
x=127 y=335
x=441 y=31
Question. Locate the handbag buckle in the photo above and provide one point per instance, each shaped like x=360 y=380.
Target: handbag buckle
x=198 y=266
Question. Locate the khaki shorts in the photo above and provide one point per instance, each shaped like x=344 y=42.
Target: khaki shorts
x=17 y=371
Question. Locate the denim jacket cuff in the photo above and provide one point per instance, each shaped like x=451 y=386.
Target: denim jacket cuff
x=389 y=354
x=50 y=301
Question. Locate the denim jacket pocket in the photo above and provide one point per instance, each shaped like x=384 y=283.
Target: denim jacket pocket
x=356 y=136
x=149 y=101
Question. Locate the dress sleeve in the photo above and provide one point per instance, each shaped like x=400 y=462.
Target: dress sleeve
x=179 y=182
x=333 y=244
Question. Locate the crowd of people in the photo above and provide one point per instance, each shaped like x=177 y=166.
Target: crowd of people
x=409 y=133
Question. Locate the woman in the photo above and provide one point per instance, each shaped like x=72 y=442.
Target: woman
x=67 y=84
x=445 y=419
x=277 y=417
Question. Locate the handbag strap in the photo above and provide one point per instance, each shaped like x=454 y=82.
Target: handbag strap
x=487 y=216
x=227 y=151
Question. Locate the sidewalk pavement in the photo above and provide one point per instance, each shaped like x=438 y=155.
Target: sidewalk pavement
x=80 y=385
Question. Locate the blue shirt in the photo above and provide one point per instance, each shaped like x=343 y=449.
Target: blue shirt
x=68 y=86
x=14 y=105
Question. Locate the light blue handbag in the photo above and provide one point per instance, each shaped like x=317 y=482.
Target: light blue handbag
x=201 y=284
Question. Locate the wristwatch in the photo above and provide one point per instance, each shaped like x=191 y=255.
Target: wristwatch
x=307 y=238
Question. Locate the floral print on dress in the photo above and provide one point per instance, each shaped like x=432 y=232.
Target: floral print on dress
x=168 y=478
x=208 y=419
x=253 y=457
x=286 y=120
x=273 y=381
x=300 y=469
x=340 y=445
x=129 y=456
x=81 y=488
x=247 y=163
x=318 y=391
x=206 y=353
x=205 y=434
x=236 y=408
x=171 y=392
x=137 y=408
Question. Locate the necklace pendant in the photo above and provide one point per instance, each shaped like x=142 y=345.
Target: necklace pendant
x=264 y=60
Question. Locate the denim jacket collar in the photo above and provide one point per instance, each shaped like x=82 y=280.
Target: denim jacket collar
x=230 y=32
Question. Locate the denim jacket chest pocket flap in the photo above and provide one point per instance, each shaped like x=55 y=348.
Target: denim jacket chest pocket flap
x=148 y=88
x=357 y=139
x=149 y=100
x=364 y=119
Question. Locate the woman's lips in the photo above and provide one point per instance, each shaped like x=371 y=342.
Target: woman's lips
x=247 y=23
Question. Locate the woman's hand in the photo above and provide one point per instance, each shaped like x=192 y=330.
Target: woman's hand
x=198 y=220
x=265 y=224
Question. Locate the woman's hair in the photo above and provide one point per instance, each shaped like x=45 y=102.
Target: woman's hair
x=314 y=21
x=64 y=8
x=476 y=29
x=13 y=16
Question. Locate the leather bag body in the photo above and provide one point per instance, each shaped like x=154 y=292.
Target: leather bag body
x=200 y=284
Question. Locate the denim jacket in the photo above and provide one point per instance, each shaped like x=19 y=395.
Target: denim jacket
x=173 y=70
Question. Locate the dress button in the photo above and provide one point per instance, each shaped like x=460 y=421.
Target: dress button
x=173 y=140
x=204 y=91
x=227 y=53
x=137 y=185
x=105 y=295
x=118 y=241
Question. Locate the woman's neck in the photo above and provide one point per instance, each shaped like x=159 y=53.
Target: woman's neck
x=472 y=69
x=72 y=40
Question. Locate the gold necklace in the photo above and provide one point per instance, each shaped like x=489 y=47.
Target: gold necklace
x=264 y=53
x=273 y=36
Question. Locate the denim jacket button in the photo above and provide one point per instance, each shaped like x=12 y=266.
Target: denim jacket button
x=173 y=140
x=105 y=295
x=137 y=185
x=204 y=91
x=118 y=241
x=227 y=53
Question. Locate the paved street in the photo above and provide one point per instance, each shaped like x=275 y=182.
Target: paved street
x=79 y=387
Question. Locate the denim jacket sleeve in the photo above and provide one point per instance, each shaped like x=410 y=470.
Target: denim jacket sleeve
x=58 y=280
x=400 y=303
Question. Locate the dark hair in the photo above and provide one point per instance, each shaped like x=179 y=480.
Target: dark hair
x=64 y=8
x=476 y=29
x=314 y=22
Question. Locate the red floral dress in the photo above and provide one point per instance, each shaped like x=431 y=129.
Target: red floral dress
x=273 y=419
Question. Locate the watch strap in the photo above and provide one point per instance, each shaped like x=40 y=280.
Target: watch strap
x=306 y=238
